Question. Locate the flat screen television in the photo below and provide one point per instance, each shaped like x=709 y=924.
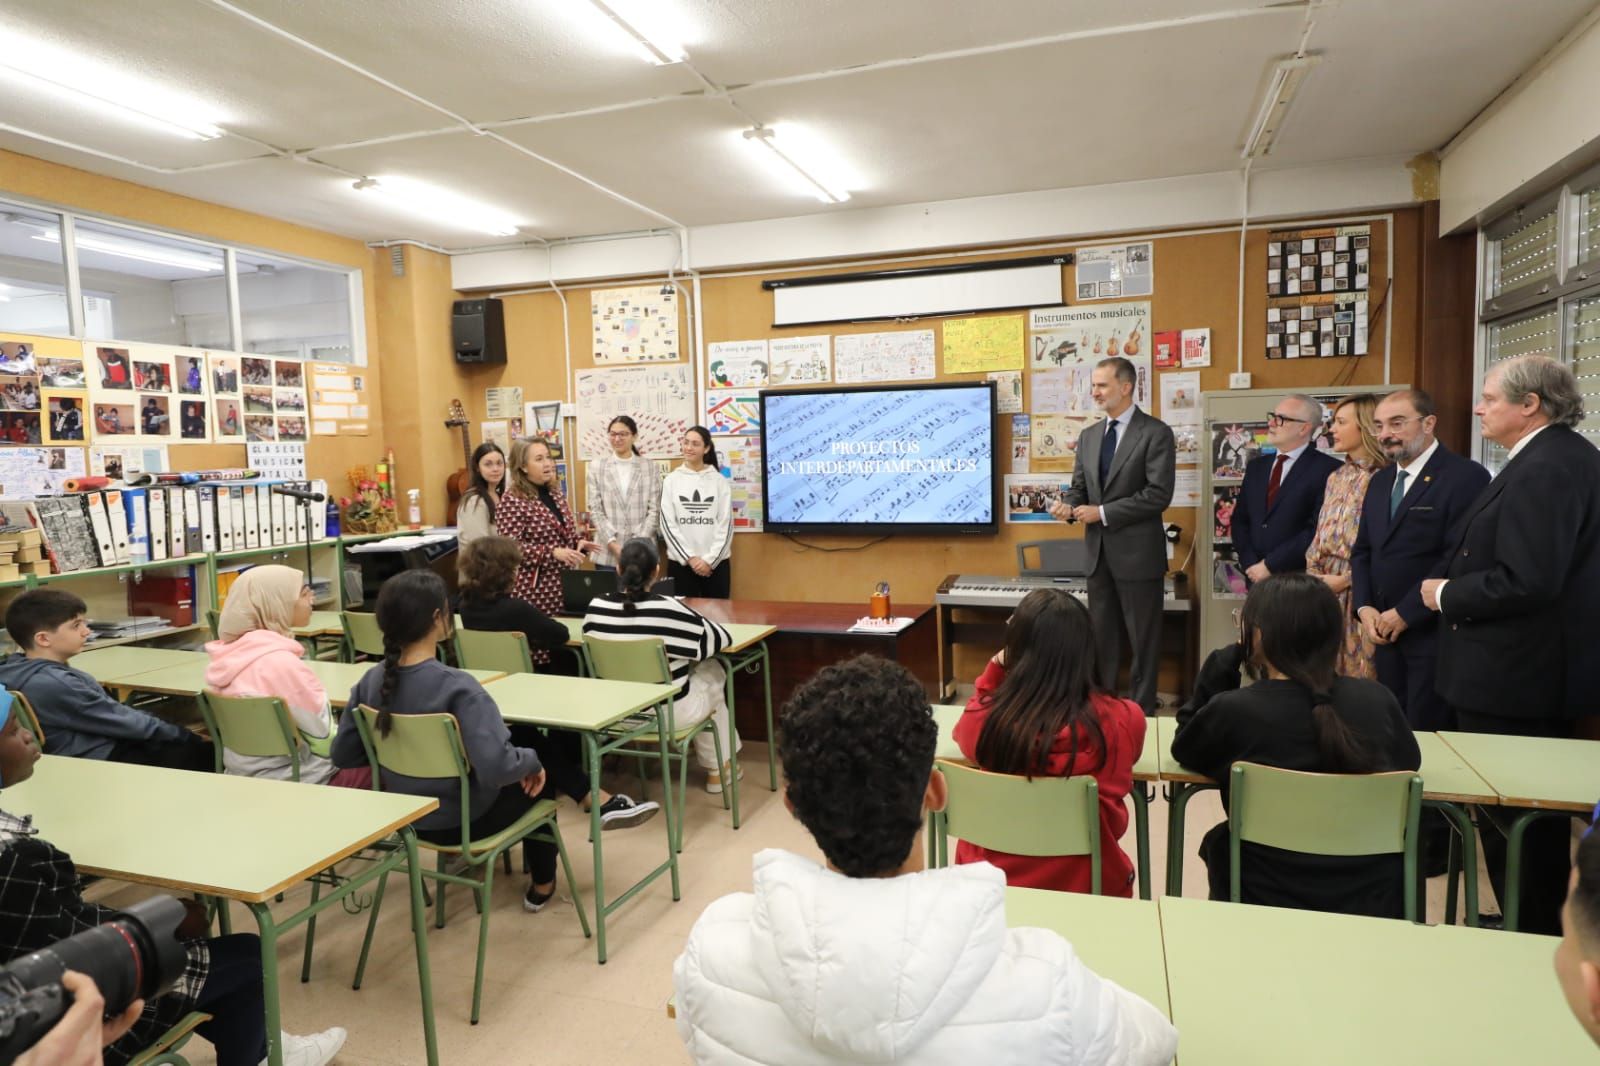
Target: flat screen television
x=881 y=459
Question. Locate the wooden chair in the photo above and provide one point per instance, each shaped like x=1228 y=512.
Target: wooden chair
x=645 y=660
x=1325 y=814
x=429 y=746
x=1047 y=816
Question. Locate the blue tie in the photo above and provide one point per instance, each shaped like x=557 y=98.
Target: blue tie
x=1399 y=491
x=1108 y=448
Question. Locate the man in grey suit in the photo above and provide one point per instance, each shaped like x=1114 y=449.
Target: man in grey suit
x=1121 y=484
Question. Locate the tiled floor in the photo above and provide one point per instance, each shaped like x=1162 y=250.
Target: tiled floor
x=545 y=999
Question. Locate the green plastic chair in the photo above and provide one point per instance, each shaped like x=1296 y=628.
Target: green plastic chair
x=29 y=717
x=166 y=1051
x=361 y=635
x=1047 y=816
x=430 y=746
x=1288 y=809
x=645 y=660
x=480 y=649
x=214 y=620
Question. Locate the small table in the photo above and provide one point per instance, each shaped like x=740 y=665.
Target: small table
x=1116 y=938
x=1335 y=989
x=598 y=711
x=1549 y=777
x=106 y=664
x=240 y=838
x=322 y=624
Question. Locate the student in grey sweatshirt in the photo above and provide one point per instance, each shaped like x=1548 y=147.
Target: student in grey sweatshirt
x=414 y=615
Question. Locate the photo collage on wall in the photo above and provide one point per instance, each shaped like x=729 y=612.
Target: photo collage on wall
x=1327 y=260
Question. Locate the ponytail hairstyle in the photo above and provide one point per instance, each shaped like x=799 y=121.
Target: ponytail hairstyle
x=480 y=486
x=1052 y=673
x=631 y=426
x=1292 y=623
x=636 y=571
x=407 y=604
x=488 y=568
x=711 y=449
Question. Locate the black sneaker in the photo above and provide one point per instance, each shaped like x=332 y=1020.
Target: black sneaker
x=533 y=902
x=621 y=812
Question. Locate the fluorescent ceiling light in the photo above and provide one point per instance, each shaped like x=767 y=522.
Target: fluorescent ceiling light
x=440 y=205
x=1286 y=78
x=130 y=249
x=641 y=29
x=108 y=90
x=818 y=175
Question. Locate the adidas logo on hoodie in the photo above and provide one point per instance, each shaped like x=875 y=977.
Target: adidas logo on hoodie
x=696 y=509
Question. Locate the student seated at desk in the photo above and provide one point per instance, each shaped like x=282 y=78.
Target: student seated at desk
x=1578 y=954
x=414 y=615
x=873 y=958
x=76 y=714
x=1299 y=715
x=255 y=654
x=40 y=904
x=1040 y=709
x=691 y=639
x=487 y=569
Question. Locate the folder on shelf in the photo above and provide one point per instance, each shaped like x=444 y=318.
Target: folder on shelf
x=136 y=503
x=119 y=525
x=158 y=523
x=93 y=506
x=177 y=536
x=245 y=512
x=207 y=498
x=294 y=518
x=319 y=512
x=226 y=539
x=279 y=536
x=264 y=516
x=192 y=519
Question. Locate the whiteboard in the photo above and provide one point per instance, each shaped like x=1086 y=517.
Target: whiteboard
x=1036 y=285
x=659 y=398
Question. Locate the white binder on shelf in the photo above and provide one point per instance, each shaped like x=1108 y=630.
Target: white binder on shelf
x=158 y=523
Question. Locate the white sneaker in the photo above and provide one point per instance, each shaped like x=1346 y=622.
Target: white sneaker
x=315 y=1050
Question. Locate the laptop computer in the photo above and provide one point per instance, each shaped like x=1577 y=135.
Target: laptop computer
x=578 y=587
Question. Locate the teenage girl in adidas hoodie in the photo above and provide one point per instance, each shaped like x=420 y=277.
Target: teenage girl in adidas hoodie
x=697 y=520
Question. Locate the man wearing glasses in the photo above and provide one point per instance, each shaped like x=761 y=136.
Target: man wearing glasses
x=1276 y=515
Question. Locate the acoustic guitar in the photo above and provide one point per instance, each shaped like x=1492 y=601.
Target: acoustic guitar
x=459 y=482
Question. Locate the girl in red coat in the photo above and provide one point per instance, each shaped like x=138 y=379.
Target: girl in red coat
x=1041 y=709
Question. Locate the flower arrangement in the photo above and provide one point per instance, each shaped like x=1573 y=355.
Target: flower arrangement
x=368 y=510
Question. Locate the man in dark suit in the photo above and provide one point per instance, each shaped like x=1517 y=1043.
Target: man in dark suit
x=1519 y=598
x=1276 y=514
x=1122 y=482
x=1409 y=510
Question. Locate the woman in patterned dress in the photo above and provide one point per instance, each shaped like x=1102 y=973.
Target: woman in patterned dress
x=535 y=515
x=1328 y=557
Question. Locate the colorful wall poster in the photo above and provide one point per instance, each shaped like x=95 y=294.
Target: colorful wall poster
x=1234 y=444
x=638 y=324
x=542 y=419
x=337 y=400
x=1055 y=440
x=1115 y=271
x=1007 y=391
x=733 y=412
x=28 y=473
x=800 y=360
x=1196 y=348
x=860 y=358
x=990 y=342
x=661 y=399
x=1029 y=496
x=737 y=364
x=1180 y=399
x=739 y=459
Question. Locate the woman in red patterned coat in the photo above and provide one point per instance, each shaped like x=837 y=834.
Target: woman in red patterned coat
x=535 y=515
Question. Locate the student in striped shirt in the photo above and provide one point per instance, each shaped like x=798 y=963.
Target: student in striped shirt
x=691 y=642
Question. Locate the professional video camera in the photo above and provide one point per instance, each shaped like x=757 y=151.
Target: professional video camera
x=137 y=956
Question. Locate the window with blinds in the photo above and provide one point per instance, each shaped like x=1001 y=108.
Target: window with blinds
x=1538 y=333
x=1587 y=238
x=1583 y=353
x=1525 y=256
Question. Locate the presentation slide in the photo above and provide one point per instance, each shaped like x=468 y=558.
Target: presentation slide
x=895 y=457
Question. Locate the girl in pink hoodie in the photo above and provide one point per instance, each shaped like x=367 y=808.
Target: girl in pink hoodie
x=256 y=655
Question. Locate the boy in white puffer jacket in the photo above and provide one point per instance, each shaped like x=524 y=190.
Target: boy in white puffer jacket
x=875 y=959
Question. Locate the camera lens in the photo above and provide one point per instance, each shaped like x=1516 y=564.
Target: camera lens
x=137 y=956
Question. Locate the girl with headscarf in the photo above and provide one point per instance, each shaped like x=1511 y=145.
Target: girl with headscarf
x=255 y=654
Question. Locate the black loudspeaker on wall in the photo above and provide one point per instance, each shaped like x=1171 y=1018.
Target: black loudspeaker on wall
x=478 y=331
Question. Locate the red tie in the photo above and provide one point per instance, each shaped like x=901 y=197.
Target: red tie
x=1277 y=478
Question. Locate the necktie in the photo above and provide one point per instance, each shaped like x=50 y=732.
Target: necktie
x=1277 y=477
x=1399 y=491
x=1108 y=448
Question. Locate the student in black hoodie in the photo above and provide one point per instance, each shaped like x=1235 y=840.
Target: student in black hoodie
x=1299 y=715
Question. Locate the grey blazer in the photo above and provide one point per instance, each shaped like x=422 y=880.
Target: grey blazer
x=1131 y=540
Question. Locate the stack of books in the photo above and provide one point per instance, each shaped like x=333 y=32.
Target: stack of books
x=21 y=552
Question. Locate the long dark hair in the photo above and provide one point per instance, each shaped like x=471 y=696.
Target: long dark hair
x=406 y=606
x=636 y=571
x=1292 y=623
x=633 y=427
x=480 y=484
x=711 y=449
x=1051 y=673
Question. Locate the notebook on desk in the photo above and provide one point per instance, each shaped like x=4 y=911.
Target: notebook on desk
x=578 y=587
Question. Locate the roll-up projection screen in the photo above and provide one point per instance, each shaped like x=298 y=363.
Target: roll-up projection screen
x=918 y=293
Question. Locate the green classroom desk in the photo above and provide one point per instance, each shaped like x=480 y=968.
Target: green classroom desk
x=607 y=715
x=1267 y=985
x=1116 y=938
x=237 y=838
x=1544 y=776
x=1447 y=784
x=322 y=624
x=1145 y=770
x=189 y=678
x=748 y=651
x=107 y=664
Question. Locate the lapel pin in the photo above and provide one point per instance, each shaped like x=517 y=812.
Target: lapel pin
x=1427 y=477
